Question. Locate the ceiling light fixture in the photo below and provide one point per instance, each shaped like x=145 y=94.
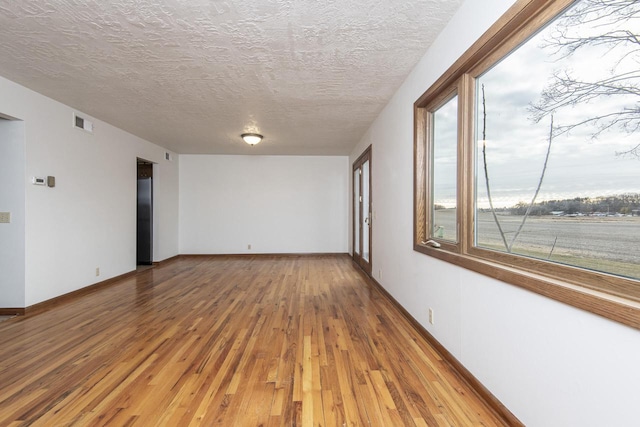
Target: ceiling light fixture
x=251 y=138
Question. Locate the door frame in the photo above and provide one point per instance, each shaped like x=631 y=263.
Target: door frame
x=360 y=221
x=152 y=237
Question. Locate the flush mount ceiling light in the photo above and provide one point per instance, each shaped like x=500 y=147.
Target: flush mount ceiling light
x=251 y=138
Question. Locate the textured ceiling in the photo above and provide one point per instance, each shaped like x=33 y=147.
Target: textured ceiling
x=192 y=75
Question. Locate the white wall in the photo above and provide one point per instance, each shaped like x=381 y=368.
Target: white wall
x=166 y=210
x=549 y=363
x=89 y=219
x=12 y=188
x=278 y=204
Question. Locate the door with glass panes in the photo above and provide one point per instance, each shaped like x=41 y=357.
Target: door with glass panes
x=362 y=225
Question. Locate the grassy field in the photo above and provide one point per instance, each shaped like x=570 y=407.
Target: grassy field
x=608 y=244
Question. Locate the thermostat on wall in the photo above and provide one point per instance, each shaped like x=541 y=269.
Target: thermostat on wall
x=36 y=180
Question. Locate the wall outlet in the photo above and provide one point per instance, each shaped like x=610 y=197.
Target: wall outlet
x=97 y=271
x=431 y=318
x=5 y=217
x=249 y=246
x=380 y=274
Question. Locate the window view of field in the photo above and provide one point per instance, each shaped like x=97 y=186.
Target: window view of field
x=558 y=143
x=608 y=243
x=443 y=168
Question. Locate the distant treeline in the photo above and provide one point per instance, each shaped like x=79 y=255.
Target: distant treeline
x=623 y=204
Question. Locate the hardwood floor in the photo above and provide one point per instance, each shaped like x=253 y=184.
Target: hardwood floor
x=230 y=341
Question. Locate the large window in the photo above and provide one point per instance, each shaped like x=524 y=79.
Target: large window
x=534 y=165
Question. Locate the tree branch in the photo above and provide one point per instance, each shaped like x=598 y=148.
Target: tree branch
x=486 y=170
x=535 y=196
x=607 y=24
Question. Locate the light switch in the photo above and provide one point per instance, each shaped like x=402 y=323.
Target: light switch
x=5 y=217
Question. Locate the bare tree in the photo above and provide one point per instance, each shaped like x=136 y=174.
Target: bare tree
x=486 y=171
x=614 y=26
x=508 y=245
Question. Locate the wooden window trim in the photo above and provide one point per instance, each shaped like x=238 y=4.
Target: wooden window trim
x=610 y=296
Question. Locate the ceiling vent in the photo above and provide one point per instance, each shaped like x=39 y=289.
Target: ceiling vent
x=82 y=123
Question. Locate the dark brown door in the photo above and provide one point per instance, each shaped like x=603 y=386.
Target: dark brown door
x=362 y=225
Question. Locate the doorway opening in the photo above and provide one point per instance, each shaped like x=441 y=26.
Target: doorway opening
x=144 y=228
x=362 y=225
x=12 y=216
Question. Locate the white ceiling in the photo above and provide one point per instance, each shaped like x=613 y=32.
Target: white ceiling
x=192 y=75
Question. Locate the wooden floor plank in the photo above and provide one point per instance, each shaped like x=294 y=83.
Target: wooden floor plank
x=223 y=340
